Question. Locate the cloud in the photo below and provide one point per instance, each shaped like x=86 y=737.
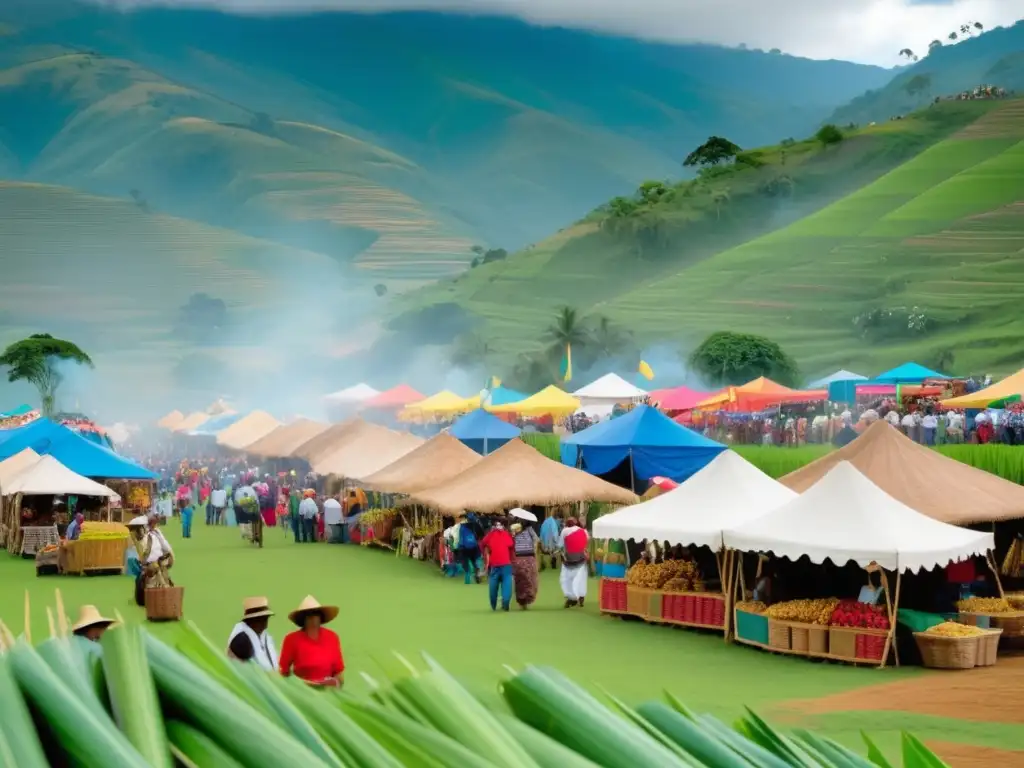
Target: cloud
x=858 y=30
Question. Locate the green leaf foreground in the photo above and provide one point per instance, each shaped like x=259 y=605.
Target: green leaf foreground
x=157 y=705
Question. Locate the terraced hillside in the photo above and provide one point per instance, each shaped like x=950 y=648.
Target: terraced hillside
x=110 y=126
x=940 y=232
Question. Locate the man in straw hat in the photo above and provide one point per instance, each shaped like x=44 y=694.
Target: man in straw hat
x=91 y=624
x=250 y=639
x=313 y=652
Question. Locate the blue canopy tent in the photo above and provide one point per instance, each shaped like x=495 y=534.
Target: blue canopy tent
x=908 y=373
x=21 y=410
x=482 y=431
x=217 y=424
x=504 y=396
x=72 y=450
x=653 y=443
x=841 y=375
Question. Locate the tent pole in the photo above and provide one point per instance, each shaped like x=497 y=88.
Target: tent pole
x=632 y=476
x=892 y=608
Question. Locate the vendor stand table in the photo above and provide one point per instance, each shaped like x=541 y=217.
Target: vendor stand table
x=35 y=537
x=91 y=556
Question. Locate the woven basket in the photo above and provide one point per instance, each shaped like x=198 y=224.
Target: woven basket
x=947 y=652
x=809 y=638
x=988 y=648
x=1012 y=624
x=779 y=635
x=164 y=603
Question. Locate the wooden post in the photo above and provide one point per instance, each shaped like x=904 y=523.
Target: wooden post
x=995 y=572
x=891 y=608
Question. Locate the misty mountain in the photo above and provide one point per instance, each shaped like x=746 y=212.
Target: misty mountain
x=492 y=129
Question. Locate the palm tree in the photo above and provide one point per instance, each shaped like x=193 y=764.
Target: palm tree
x=909 y=54
x=566 y=331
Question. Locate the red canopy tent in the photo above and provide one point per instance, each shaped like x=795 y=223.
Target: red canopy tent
x=677 y=398
x=393 y=399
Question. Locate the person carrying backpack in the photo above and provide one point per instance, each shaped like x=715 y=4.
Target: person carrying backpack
x=468 y=549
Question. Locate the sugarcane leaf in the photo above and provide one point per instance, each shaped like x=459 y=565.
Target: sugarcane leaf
x=691 y=737
x=650 y=730
x=874 y=753
x=917 y=755
x=198 y=748
x=19 y=743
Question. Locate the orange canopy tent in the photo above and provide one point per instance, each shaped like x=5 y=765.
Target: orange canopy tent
x=757 y=394
x=394 y=399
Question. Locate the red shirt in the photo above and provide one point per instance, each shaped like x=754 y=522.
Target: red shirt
x=312 y=660
x=498 y=544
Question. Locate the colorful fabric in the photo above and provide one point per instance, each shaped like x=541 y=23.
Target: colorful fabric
x=524 y=574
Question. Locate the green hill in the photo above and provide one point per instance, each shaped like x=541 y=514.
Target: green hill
x=993 y=58
x=493 y=129
x=930 y=224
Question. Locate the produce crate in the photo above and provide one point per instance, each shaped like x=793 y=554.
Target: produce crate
x=637 y=600
x=842 y=642
x=779 y=635
x=613 y=595
x=83 y=556
x=870 y=644
x=752 y=627
x=654 y=603
x=691 y=613
x=671 y=606
x=938 y=652
x=808 y=638
x=988 y=648
x=712 y=612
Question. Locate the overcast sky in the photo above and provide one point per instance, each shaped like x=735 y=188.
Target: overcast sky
x=870 y=31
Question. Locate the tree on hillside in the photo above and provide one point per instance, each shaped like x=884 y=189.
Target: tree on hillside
x=726 y=358
x=934 y=44
x=487 y=255
x=908 y=54
x=37 y=360
x=828 y=135
x=202 y=319
x=712 y=152
x=566 y=330
x=953 y=36
x=651 y=192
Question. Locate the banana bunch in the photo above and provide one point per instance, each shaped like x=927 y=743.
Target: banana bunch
x=751 y=606
x=954 y=629
x=984 y=605
x=804 y=611
x=683 y=573
x=103 y=531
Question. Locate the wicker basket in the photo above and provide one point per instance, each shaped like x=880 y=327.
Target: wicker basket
x=988 y=648
x=842 y=642
x=779 y=635
x=939 y=652
x=809 y=638
x=1012 y=624
x=164 y=603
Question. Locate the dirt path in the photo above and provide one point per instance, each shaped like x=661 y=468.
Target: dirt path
x=967 y=756
x=963 y=695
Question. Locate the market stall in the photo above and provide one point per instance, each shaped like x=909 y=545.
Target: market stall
x=282 y=441
x=483 y=432
x=725 y=493
x=247 y=430
x=846 y=518
x=10 y=517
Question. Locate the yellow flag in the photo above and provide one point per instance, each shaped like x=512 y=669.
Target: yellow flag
x=646 y=371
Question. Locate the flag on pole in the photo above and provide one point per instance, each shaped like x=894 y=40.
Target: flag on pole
x=567 y=364
x=646 y=371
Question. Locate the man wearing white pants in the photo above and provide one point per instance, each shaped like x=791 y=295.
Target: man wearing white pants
x=573 y=542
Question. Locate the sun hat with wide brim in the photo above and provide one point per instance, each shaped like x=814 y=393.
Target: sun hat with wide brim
x=256 y=608
x=311 y=605
x=89 y=616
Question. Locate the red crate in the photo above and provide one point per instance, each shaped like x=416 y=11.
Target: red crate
x=691 y=610
x=714 y=615
x=870 y=647
x=668 y=607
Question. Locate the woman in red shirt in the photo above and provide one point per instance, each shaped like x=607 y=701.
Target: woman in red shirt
x=497 y=547
x=313 y=653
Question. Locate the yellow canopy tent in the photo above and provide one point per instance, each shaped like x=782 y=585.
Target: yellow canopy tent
x=1009 y=390
x=549 y=401
x=444 y=403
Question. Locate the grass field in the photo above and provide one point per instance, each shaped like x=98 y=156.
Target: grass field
x=942 y=232
x=397 y=604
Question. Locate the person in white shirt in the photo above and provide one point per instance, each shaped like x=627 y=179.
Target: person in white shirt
x=333 y=520
x=930 y=423
x=250 y=639
x=307 y=518
x=155 y=556
x=218 y=501
x=893 y=417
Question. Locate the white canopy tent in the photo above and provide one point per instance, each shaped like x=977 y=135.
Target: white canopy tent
x=48 y=476
x=12 y=466
x=727 y=493
x=844 y=516
x=352 y=395
x=608 y=390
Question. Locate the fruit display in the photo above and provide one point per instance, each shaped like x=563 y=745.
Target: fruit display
x=47 y=549
x=103 y=531
x=853 y=613
x=683 y=575
x=751 y=606
x=984 y=605
x=804 y=611
x=954 y=629
x=374 y=516
x=139 y=498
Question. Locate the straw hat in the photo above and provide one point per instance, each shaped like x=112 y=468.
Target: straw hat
x=256 y=608
x=308 y=605
x=89 y=616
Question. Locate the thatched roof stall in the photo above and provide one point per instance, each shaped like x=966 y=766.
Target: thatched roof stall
x=171 y=420
x=247 y=430
x=280 y=443
x=194 y=420
x=323 y=445
x=366 y=449
x=920 y=477
x=436 y=461
x=517 y=475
